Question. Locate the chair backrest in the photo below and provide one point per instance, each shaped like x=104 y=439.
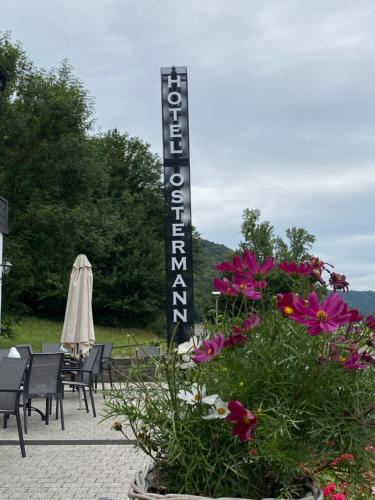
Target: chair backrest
x=44 y=374
x=25 y=350
x=3 y=353
x=97 y=368
x=46 y=347
x=88 y=364
x=148 y=351
x=107 y=355
x=11 y=374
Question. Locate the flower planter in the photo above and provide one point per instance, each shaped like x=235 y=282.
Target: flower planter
x=139 y=486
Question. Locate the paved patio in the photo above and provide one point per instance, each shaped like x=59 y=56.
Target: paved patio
x=87 y=461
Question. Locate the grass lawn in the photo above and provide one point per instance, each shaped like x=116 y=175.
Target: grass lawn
x=34 y=331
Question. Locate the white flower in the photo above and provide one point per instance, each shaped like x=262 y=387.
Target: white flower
x=197 y=394
x=187 y=362
x=187 y=347
x=219 y=410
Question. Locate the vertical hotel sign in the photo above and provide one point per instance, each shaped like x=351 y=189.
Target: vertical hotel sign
x=177 y=205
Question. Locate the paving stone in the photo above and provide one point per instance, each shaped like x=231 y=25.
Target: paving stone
x=67 y=472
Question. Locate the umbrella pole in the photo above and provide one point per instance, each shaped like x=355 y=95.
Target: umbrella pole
x=80 y=392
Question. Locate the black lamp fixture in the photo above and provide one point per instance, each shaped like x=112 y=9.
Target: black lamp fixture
x=5 y=266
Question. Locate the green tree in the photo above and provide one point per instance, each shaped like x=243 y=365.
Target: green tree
x=259 y=236
x=71 y=191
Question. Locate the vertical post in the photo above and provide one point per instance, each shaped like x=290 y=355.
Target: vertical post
x=3 y=230
x=1 y=271
x=177 y=204
x=216 y=294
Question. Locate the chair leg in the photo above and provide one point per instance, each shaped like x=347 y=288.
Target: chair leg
x=95 y=383
x=110 y=375
x=57 y=408
x=20 y=435
x=25 y=408
x=5 y=421
x=47 y=410
x=29 y=407
x=85 y=399
x=102 y=377
x=61 y=413
x=92 y=401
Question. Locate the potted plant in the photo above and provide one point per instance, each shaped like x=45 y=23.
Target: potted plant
x=276 y=401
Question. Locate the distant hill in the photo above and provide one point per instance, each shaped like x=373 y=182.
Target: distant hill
x=363 y=301
x=206 y=255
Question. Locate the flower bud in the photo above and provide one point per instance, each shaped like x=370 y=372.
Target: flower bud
x=117 y=426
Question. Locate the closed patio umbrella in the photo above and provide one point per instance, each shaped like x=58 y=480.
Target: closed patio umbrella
x=78 y=333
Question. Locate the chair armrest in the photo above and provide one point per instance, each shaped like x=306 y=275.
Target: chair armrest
x=18 y=391
x=68 y=370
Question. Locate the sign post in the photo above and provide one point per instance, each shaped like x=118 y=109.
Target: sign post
x=3 y=230
x=177 y=204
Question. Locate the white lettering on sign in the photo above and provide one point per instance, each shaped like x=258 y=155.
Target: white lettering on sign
x=176 y=148
x=179 y=281
x=179 y=315
x=180 y=298
x=178 y=264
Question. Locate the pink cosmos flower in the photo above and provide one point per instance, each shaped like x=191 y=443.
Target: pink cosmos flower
x=324 y=317
x=237 y=335
x=355 y=317
x=370 y=322
x=246 y=288
x=294 y=269
x=224 y=286
x=358 y=361
x=248 y=324
x=286 y=303
x=247 y=268
x=244 y=421
x=235 y=339
x=210 y=349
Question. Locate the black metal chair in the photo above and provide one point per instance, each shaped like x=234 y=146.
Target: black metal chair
x=107 y=364
x=48 y=348
x=148 y=356
x=44 y=380
x=85 y=376
x=11 y=375
x=25 y=350
x=97 y=370
x=3 y=353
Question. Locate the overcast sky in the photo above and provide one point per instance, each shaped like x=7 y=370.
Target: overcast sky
x=281 y=101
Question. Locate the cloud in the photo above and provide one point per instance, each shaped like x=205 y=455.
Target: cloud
x=280 y=97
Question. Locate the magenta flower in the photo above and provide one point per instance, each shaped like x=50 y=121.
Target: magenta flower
x=235 y=339
x=294 y=269
x=358 y=361
x=355 y=317
x=286 y=303
x=224 y=286
x=246 y=288
x=370 y=322
x=244 y=421
x=210 y=349
x=248 y=324
x=247 y=268
x=324 y=317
